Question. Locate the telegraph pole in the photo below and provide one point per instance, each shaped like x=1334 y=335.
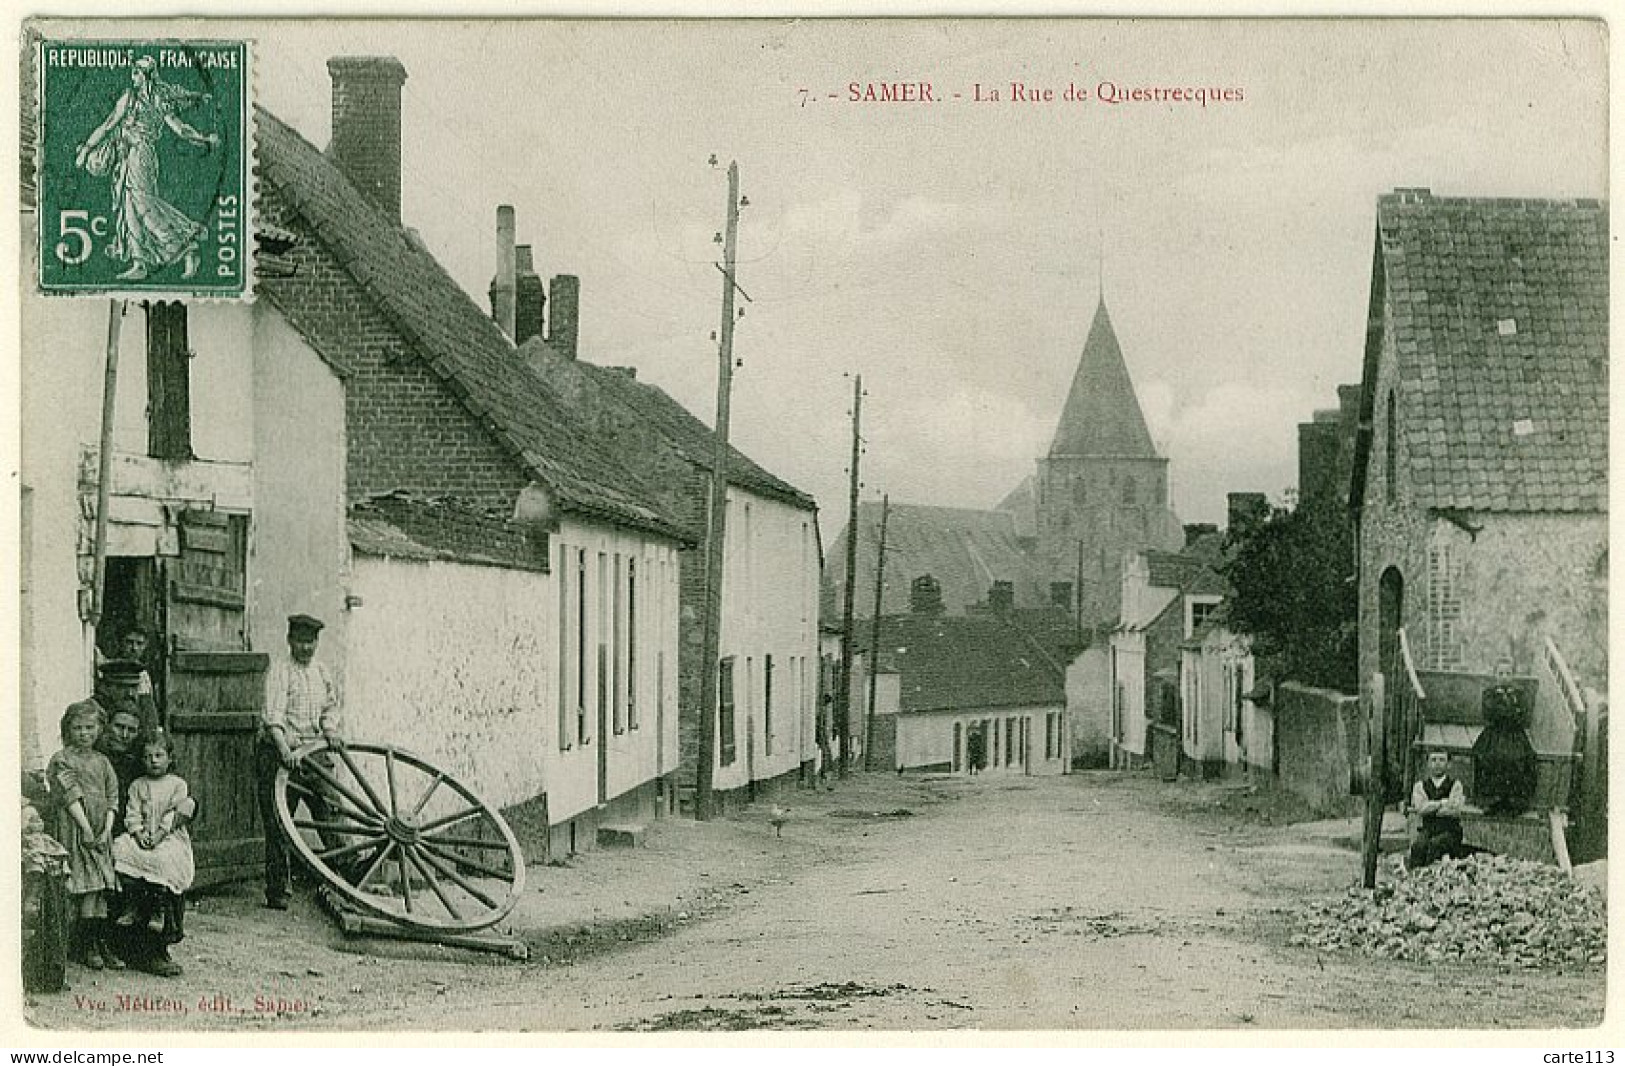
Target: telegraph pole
x=843 y=703
x=716 y=522
x=874 y=636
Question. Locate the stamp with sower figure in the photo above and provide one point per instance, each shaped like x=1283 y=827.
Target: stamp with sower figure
x=144 y=160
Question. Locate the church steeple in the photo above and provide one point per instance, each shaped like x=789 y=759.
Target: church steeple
x=1102 y=417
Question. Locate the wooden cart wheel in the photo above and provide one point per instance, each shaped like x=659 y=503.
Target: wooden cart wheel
x=400 y=838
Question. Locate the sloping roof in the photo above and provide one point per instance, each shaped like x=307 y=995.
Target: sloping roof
x=652 y=406
x=965 y=550
x=1022 y=506
x=398 y=526
x=965 y=662
x=457 y=340
x=1102 y=416
x=1498 y=312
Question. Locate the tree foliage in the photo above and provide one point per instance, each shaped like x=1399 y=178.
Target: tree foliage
x=1296 y=596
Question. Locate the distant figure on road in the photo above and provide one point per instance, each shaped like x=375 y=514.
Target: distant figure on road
x=975 y=751
x=1439 y=799
x=826 y=761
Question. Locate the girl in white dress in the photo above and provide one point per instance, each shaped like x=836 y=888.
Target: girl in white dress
x=154 y=856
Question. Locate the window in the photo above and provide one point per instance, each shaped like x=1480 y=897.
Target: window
x=1080 y=493
x=767 y=703
x=1128 y=490
x=725 y=710
x=1200 y=613
x=631 y=643
x=169 y=416
x=581 y=646
x=603 y=639
x=616 y=637
x=565 y=691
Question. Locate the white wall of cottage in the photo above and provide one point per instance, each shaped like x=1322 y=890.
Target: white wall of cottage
x=770 y=610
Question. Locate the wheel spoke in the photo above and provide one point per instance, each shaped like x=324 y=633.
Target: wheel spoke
x=361 y=779
x=434 y=883
x=423 y=800
x=450 y=820
x=338 y=786
x=377 y=861
x=406 y=876
x=346 y=828
x=333 y=802
x=459 y=860
x=470 y=842
x=429 y=857
x=389 y=775
x=351 y=849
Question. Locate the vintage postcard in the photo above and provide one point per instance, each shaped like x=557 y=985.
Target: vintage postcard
x=764 y=526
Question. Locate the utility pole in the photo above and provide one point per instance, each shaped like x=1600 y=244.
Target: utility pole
x=1376 y=783
x=716 y=523
x=874 y=636
x=1077 y=594
x=843 y=702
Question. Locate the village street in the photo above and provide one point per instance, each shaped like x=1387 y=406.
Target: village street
x=1091 y=901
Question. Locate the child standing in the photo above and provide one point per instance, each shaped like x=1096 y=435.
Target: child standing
x=86 y=791
x=155 y=854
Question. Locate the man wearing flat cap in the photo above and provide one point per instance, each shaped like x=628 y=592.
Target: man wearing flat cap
x=301 y=706
x=124 y=685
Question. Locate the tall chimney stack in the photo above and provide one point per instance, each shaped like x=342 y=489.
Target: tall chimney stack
x=530 y=299
x=366 y=141
x=502 y=286
x=563 y=325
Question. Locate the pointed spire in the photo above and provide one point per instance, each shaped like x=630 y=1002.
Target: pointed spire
x=1102 y=416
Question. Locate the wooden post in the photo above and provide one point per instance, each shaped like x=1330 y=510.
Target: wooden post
x=1376 y=785
x=104 y=480
x=717 y=519
x=843 y=698
x=874 y=635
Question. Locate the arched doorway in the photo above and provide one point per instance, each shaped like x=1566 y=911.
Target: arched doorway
x=1390 y=616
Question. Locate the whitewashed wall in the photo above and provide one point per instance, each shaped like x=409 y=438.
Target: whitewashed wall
x=61 y=376
x=638 y=753
x=451 y=662
x=770 y=609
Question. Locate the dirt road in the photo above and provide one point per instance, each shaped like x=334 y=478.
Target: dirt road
x=1097 y=900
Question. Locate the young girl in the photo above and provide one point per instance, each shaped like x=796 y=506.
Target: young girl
x=86 y=791
x=155 y=854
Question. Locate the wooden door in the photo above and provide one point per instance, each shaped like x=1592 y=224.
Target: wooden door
x=216 y=691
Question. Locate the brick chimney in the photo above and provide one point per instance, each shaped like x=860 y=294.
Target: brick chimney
x=925 y=595
x=1002 y=597
x=563 y=324
x=502 y=284
x=366 y=141
x=530 y=299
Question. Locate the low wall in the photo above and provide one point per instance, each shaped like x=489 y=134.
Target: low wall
x=1316 y=732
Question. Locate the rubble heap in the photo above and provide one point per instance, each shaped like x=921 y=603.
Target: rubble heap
x=1483 y=909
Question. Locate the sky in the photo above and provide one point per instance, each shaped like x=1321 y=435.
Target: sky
x=953 y=252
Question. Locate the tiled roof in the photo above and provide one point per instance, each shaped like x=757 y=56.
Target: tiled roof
x=965 y=550
x=403 y=527
x=656 y=410
x=966 y=662
x=1499 y=316
x=457 y=340
x=1022 y=506
x=1102 y=415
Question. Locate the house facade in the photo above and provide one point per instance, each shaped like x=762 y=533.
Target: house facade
x=769 y=669
x=1480 y=475
x=993 y=682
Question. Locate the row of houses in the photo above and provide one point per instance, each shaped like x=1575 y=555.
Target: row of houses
x=501 y=535
x=1470 y=464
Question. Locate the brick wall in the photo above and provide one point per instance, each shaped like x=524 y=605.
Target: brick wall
x=1317 y=737
x=407 y=432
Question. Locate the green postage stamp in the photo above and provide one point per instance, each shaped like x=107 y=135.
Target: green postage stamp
x=143 y=163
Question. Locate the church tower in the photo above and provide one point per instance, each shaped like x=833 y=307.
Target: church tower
x=1102 y=490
